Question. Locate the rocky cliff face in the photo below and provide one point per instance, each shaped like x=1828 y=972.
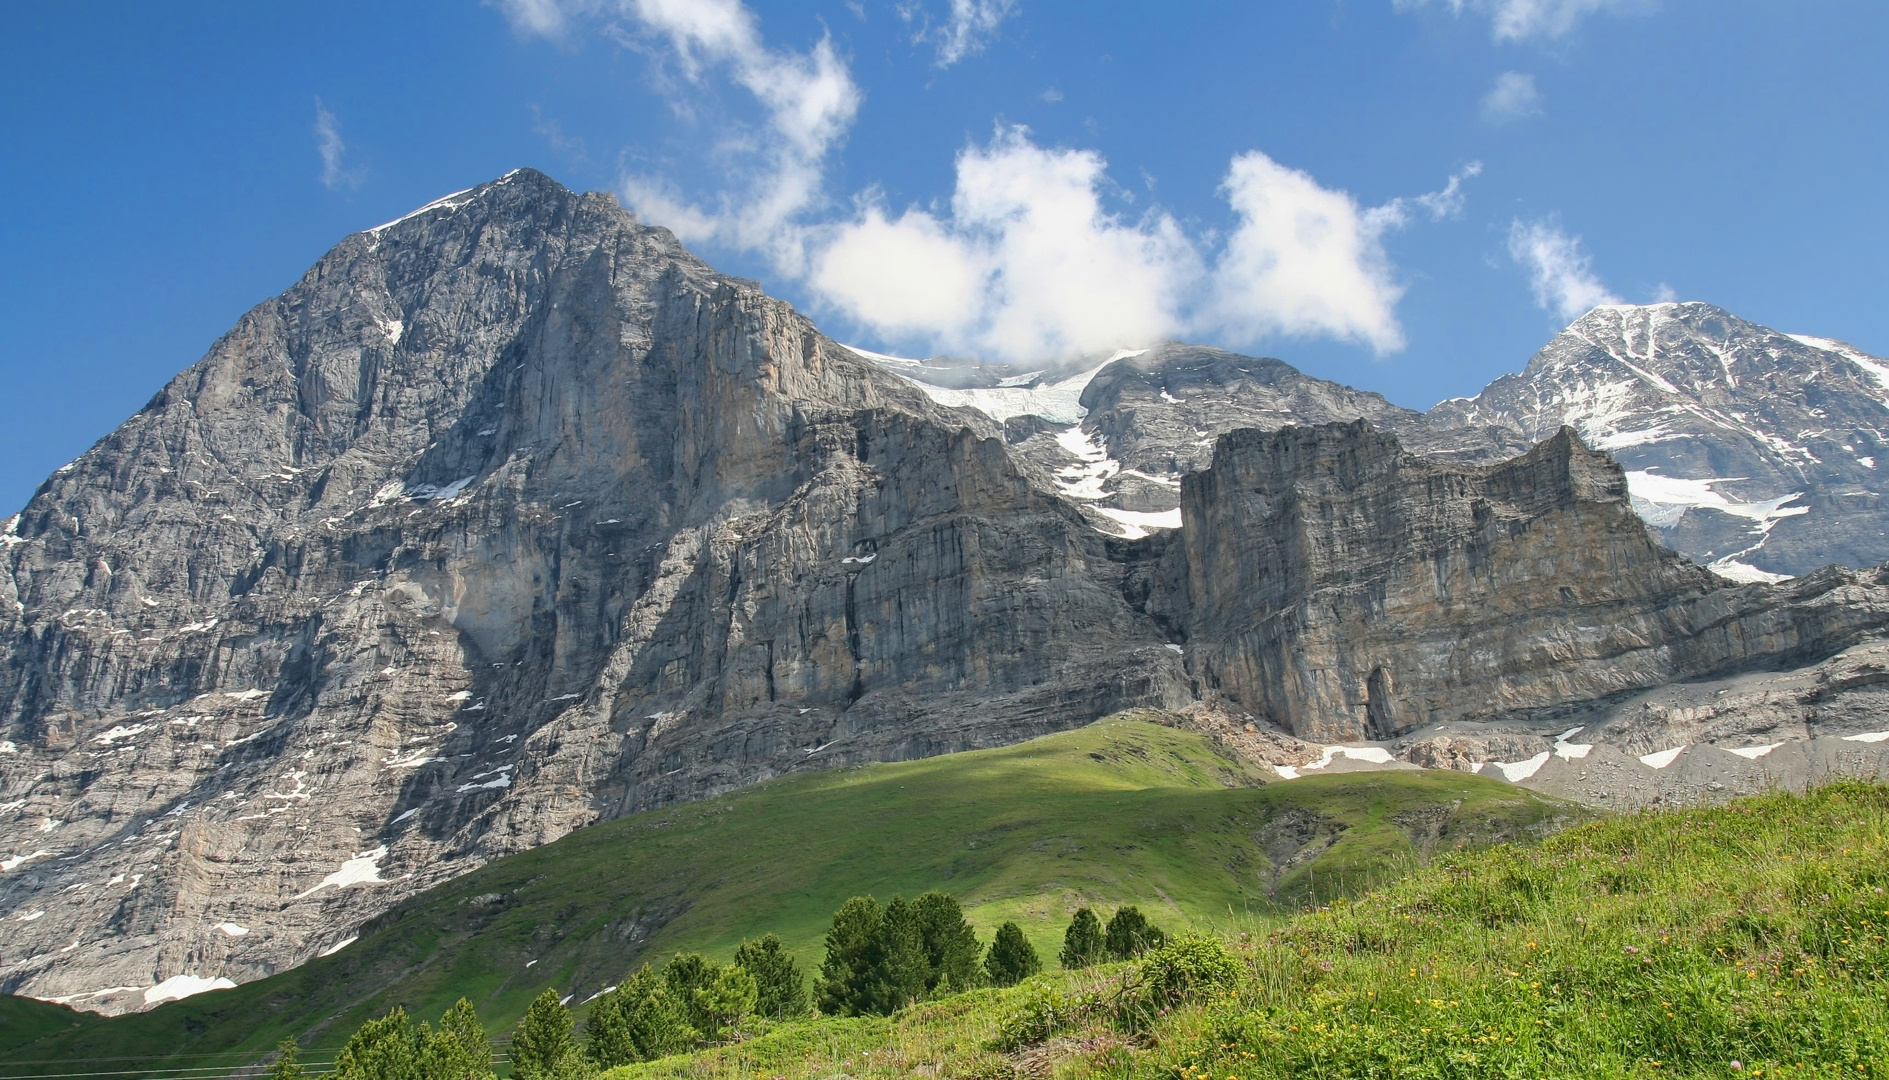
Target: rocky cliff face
x=1748 y=449
x=1344 y=589
x=512 y=516
x=509 y=516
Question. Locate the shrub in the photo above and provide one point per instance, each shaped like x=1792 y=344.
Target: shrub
x=1038 y=1010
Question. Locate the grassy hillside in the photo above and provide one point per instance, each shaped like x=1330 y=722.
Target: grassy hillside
x=1118 y=812
x=1750 y=940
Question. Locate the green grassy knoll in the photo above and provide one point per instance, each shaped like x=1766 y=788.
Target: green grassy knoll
x=1750 y=940
x=1122 y=811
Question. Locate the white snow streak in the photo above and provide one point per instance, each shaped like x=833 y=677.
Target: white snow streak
x=178 y=987
x=363 y=869
x=1661 y=759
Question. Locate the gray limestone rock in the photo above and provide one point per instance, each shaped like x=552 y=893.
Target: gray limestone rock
x=509 y=516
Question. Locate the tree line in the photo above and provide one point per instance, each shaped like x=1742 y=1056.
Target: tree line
x=879 y=959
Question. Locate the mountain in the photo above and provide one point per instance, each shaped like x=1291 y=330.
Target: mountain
x=509 y=517
x=1752 y=451
x=512 y=517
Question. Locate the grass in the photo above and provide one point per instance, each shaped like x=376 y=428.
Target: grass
x=1122 y=811
x=1669 y=944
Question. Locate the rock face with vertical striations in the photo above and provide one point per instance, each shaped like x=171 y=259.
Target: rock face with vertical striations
x=1345 y=589
x=510 y=516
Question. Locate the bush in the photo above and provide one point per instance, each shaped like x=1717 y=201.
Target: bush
x=1183 y=971
x=1039 y=1009
x=1012 y=958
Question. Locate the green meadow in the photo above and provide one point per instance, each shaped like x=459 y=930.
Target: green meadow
x=1120 y=812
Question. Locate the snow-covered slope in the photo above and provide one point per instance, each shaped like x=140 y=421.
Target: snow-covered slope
x=1752 y=451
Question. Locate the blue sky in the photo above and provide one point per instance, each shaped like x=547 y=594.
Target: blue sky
x=965 y=176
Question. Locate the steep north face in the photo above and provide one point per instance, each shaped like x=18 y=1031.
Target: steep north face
x=512 y=516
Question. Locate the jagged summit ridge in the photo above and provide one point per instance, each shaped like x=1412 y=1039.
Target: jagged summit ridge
x=1750 y=450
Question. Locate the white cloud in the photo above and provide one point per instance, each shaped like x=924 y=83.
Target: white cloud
x=971 y=25
x=1304 y=260
x=1513 y=97
x=774 y=175
x=1664 y=294
x=1561 y=273
x=1519 y=20
x=335 y=174
x=1027 y=264
x=542 y=17
x=1028 y=259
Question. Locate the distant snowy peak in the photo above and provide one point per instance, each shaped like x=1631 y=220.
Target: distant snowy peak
x=1750 y=450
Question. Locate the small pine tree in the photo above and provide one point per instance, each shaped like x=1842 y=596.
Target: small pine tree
x=381 y=1049
x=846 y=975
x=286 y=1065
x=725 y=1003
x=638 y=1021
x=1083 y=942
x=1130 y=934
x=684 y=974
x=1012 y=958
x=458 y=1049
x=780 y=986
x=541 y=1047
x=951 y=949
x=900 y=968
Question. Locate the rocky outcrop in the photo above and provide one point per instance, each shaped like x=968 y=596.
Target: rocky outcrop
x=1344 y=589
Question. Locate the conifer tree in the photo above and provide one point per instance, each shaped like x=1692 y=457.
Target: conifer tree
x=1083 y=942
x=1130 y=934
x=382 y=1049
x=287 y=1065
x=684 y=974
x=780 y=986
x=847 y=973
x=1012 y=958
x=640 y=1020
x=951 y=948
x=725 y=1003
x=900 y=967
x=541 y=1047
x=458 y=1049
